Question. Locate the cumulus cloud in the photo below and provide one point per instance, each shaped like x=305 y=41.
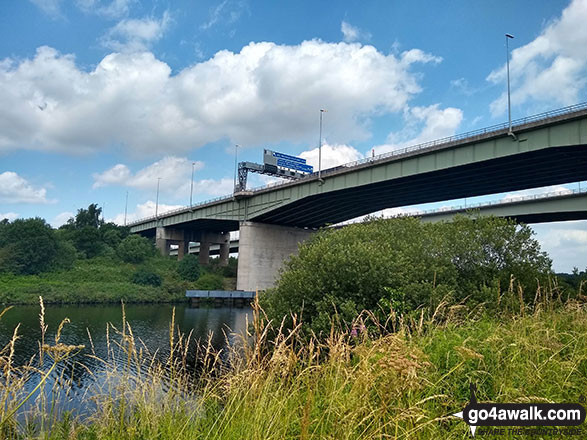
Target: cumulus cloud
x=136 y=35
x=16 y=189
x=62 y=218
x=10 y=216
x=352 y=33
x=423 y=124
x=175 y=174
x=553 y=67
x=332 y=156
x=143 y=210
x=565 y=242
x=265 y=93
x=173 y=171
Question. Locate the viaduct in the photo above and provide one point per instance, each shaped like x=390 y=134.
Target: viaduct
x=542 y=150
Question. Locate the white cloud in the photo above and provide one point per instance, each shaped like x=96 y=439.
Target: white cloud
x=227 y=12
x=175 y=172
x=50 y=7
x=565 y=242
x=553 y=67
x=352 y=33
x=131 y=99
x=332 y=156
x=423 y=124
x=62 y=218
x=11 y=216
x=112 y=9
x=144 y=210
x=136 y=35
x=15 y=189
x=536 y=191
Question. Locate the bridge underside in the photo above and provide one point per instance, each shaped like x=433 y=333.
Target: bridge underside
x=533 y=169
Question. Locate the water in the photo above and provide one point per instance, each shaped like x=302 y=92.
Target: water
x=150 y=327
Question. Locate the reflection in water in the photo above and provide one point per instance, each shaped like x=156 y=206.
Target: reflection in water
x=149 y=324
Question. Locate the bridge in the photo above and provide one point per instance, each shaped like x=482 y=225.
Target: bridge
x=536 y=208
x=545 y=149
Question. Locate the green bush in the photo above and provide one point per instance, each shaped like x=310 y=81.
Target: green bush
x=406 y=264
x=135 y=249
x=146 y=277
x=210 y=281
x=189 y=268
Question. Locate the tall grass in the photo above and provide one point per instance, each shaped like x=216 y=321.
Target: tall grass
x=393 y=378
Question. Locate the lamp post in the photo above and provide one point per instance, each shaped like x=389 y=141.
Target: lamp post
x=192 y=184
x=235 y=162
x=157 y=199
x=320 y=148
x=507 y=48
x=125 y=208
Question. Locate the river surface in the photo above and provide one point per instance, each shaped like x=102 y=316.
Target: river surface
x=150 y=326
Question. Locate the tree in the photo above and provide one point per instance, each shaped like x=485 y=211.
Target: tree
x=403 y=262
x=135 y=249
x=189 y=268
x=29 y=246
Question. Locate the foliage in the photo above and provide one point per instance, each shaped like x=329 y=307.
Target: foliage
x=228 y=271
x=381 y=262
x=29 y=246
x=146 y=277
x=135 y=249
x=210 y=281
x=189 y=268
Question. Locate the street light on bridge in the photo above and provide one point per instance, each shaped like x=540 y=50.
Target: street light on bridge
x=320 y=148
x=507 y=48
x=192 y=184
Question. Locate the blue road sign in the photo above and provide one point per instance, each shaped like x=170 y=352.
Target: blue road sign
x=294 y=166
x=288 y=157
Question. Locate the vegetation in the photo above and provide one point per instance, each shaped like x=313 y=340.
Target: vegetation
x=88 y=260
x=380 y=381
x=405 y=264
x=135 y=249
x=210 y=281
x=189 y=268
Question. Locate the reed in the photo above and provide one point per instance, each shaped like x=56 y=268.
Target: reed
x=396 y=377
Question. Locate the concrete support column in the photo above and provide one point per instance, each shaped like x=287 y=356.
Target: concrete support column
x=224 y=249
x=204 y=257
x=262 y=250
x=161 y=242
x=183 y=249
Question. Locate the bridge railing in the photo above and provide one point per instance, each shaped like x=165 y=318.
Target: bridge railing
x=395 y=153
x=505 y=201
x=434 y=143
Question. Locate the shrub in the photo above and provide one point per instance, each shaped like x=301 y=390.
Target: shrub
x=135 y=249
x=146 y=277
x=210 y=281
x=189 y=268
x=404 y=263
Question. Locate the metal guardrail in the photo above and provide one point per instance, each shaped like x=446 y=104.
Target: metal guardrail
x=504 y=201
x=395 y=153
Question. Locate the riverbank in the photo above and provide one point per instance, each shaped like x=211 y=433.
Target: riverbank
x=367 y=383
x=98 y=280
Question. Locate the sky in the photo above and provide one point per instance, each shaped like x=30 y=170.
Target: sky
x=101 y=100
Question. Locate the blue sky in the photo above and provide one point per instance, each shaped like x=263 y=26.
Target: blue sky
x=102 y=97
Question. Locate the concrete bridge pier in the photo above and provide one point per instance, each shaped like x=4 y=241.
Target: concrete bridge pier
x=165 y=237
x=262 y=250
x=207 y=238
